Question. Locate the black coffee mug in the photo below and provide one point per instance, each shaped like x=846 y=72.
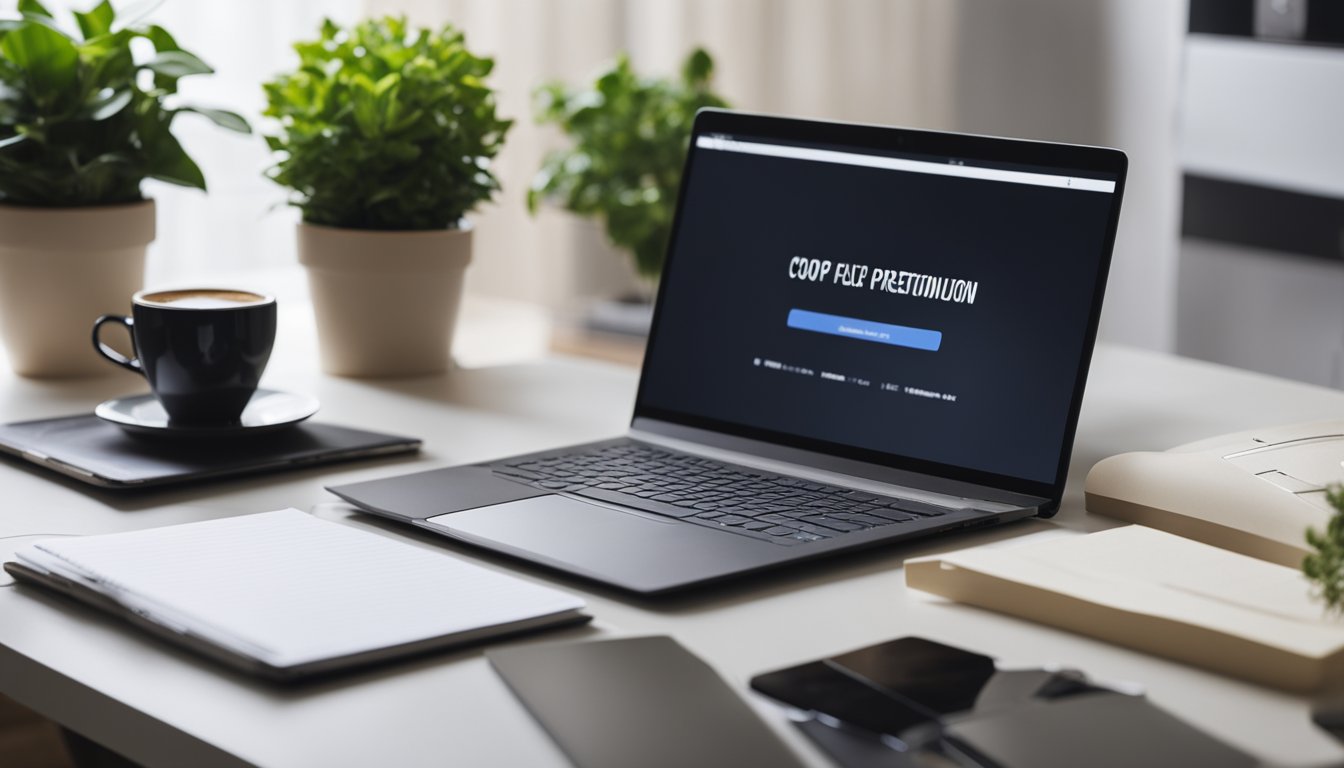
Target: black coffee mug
x=202 y=350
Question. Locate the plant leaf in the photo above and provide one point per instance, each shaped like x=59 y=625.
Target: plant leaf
x=386 y=83
x=221 y=117
x=97 y=21
x=34 y=8
x=161 y=39
x=1325 y=566
x=629 y=135
x=698 y=67
x=385 y=126
x=12 y=140
x=107 y=62
x=104 y=108
x=177 y=64
x=170 y=163
x=48 y=59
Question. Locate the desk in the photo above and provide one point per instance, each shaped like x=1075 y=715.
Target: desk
x=162 y=707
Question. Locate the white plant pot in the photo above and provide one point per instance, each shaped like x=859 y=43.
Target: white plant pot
x=386 y=302
x=60 y=268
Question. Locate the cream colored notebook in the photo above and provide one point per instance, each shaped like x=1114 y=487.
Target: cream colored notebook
x=1159 y=593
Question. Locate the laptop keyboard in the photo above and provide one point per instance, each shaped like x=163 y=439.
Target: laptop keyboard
x=778 y=508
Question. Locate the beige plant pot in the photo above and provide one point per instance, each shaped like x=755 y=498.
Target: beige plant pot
x=386 y=302
x=60 y=268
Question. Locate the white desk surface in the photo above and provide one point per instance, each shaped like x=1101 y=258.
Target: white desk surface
x=162 y=707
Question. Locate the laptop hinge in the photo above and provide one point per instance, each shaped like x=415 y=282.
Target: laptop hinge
x=832 y=470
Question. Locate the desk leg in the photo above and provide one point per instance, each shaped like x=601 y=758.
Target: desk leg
x=29 y=739
x=91 y=754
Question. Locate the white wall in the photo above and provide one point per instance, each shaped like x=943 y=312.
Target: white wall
x=1262 y=310
x=1270 y=115
x=1093 y=72
x=1264 y=113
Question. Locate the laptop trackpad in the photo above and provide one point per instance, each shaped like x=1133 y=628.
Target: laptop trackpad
x=629 y=549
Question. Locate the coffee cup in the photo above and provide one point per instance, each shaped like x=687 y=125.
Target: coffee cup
x=202 y=350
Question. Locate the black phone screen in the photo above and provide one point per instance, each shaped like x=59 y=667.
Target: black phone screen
x=932 y=676
x=886 y=688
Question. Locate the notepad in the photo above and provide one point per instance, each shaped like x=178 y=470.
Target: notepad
x=288 y=595
x=1159 y=593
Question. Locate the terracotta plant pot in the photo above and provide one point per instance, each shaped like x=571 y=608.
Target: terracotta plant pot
x=386 y=302
x=60 y=268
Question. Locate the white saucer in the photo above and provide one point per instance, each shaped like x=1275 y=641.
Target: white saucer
x=268 y=410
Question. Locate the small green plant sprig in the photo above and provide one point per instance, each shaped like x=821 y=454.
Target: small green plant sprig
x=83 y=120
x=630 y=135
x=384 y=127
x=1325 y=566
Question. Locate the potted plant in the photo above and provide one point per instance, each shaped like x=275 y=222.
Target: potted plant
x=1324 y=566
x=629 y=137
x=385 y=137
x=83 y=121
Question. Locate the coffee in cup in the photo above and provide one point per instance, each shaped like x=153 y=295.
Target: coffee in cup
x=202 y=350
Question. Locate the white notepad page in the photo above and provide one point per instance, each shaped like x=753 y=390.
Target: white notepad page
x=289 y=588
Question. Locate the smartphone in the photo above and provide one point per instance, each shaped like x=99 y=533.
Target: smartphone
x=820 y=688
x=887 y=688
x=930 y=676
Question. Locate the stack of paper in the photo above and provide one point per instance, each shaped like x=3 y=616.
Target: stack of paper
x=1159 y=593
x=286 y=594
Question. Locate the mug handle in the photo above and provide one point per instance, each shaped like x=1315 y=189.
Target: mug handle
x=129 y=363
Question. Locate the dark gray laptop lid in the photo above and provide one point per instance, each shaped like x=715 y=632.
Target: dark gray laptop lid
x=916 y=300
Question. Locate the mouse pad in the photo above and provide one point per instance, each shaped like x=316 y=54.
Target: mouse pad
x=98 y=453
x=642 y=701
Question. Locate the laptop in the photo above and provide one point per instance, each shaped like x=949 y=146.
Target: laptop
x=863 y=335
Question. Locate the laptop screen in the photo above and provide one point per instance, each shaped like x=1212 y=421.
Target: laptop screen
x=927 y=301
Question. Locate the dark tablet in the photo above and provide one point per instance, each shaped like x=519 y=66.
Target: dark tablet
x=98 y=453
x=637 y=701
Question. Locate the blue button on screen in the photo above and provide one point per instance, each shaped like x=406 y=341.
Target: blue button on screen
x=866 y=330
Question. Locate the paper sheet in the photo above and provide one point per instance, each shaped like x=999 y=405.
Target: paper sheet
x=288 y=588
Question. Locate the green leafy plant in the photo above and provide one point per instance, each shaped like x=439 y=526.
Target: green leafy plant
x=630 y=135
x=1325 y=566
x=83 y=120
x=384 y=127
